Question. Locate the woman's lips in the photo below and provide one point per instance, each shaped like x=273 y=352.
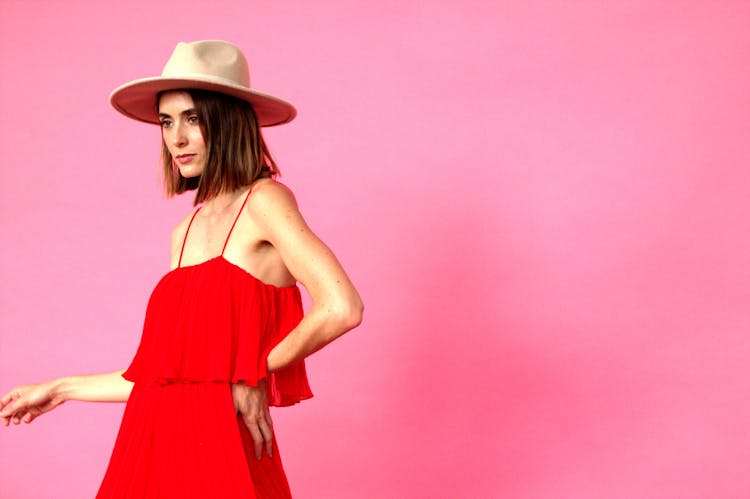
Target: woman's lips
x=185 y=158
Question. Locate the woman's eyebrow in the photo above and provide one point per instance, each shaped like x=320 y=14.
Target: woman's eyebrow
x=186 y=112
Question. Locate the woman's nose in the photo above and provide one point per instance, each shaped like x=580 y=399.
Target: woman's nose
x=180 y=137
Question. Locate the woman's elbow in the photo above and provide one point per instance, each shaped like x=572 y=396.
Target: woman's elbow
x=349 y=314
x=355 y=316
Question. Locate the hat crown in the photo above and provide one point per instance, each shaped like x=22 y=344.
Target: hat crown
x=210 y=65
x=209 y=59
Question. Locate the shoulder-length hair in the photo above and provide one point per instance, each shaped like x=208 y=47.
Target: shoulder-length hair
x=236 y=154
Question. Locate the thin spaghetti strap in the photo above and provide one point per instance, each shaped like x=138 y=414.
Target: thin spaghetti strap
x=186 y=233
x=236 y=218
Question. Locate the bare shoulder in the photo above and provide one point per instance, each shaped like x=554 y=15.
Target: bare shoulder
x=270 y=195
x=273 y=209
x=272 y=206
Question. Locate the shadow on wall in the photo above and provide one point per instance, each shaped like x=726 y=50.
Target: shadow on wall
x=456 y=369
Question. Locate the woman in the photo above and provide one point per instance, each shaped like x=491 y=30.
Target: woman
x=224 y=334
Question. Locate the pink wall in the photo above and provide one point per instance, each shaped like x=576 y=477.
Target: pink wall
x=544 y=204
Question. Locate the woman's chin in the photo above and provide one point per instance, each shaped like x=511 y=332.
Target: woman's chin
x=190 y=172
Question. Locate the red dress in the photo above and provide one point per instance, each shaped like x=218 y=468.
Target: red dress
x=207 y=326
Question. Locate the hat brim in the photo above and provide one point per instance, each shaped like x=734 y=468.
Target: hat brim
x=137 y=99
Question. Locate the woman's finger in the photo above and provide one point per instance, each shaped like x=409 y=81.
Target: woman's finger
x=9 y=403
x=18 y=404
x=14 y=410
x=33 y=413
x=257 y=435
x=26 y=414
x=265 y=429
x=8 y=397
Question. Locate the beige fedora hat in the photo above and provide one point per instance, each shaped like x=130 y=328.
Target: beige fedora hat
x=206 y=65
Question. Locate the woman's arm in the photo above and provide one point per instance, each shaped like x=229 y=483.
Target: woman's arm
x=337 y=307
x=27 y=402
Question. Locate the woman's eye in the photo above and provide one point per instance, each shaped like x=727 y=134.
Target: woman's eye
x=193 y=119
x=165 y=123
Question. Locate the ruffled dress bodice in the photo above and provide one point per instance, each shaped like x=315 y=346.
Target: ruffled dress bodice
x=216 y=322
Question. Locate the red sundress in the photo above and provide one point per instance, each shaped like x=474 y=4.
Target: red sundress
x=207 y=326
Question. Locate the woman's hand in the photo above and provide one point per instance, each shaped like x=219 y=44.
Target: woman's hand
x=252 y=403
x=27 y=402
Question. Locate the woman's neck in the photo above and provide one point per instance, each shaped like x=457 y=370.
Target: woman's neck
x=222 y=201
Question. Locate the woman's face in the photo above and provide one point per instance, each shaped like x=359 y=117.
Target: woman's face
x=181 y=131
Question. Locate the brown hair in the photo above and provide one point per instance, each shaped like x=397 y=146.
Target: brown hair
x=236 y=154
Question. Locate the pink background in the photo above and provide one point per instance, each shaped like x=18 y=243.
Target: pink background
x=544 y=205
